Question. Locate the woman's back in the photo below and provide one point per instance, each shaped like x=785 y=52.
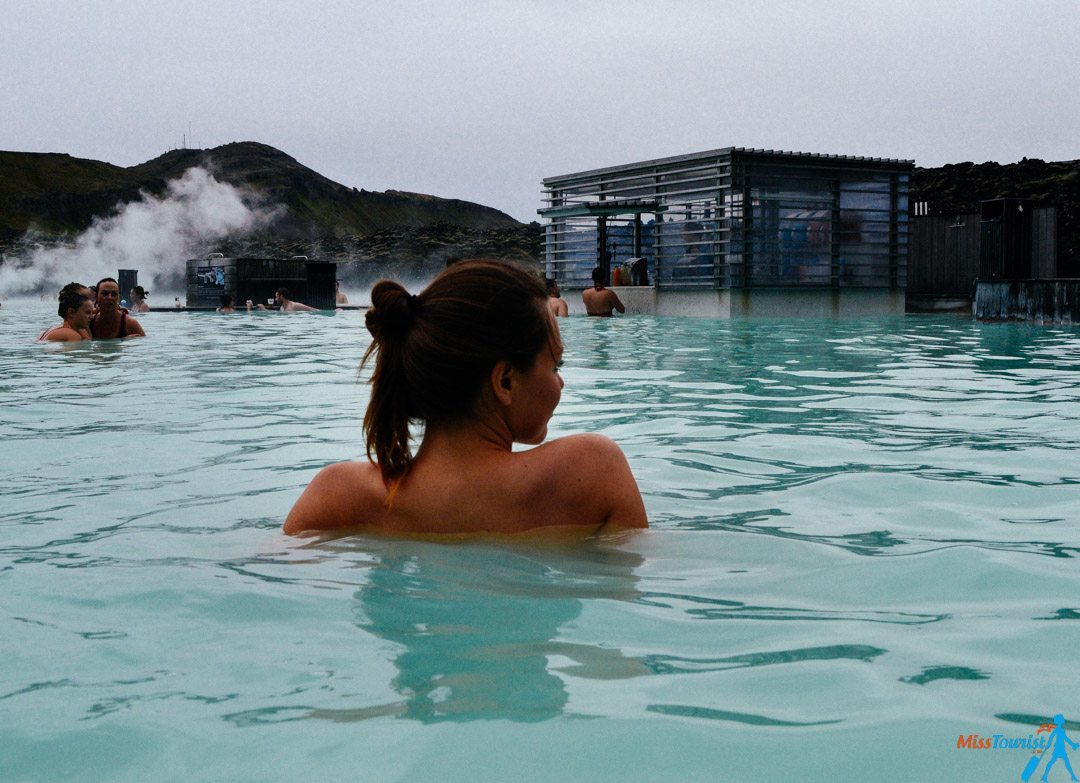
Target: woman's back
x=458 y=486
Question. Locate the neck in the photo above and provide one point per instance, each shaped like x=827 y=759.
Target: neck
x=467 y=437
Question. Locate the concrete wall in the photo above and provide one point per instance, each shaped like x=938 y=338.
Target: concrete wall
x=752 y=303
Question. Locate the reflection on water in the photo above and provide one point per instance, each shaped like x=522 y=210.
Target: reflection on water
x=475 y=626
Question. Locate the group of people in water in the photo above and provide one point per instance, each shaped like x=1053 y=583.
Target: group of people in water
x=282 y=303
x=95 y=313
x=599 y=300
x=474 y=358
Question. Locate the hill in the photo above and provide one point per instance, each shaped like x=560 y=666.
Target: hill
x=959 y=187
x=57 y=196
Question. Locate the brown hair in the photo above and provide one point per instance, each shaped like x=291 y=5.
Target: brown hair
x=70 y=299
x=433 y=351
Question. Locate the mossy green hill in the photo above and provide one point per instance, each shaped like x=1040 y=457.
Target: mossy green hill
x=56 y=194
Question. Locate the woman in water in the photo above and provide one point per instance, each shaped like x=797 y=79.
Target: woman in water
x=138 y=300
x=475 y=358
x=75 y=308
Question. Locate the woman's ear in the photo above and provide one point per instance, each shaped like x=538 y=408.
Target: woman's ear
x=502 y=382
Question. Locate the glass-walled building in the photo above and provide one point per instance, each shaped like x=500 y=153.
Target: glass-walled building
x=732 y=219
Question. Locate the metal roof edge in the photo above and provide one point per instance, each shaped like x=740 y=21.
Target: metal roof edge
x=723 y=151
x=638 y=164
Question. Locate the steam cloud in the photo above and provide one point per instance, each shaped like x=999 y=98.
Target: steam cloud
x=154 y=235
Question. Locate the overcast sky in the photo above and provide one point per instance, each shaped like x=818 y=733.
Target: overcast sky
x=481 y=100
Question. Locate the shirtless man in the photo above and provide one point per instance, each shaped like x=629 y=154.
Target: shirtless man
x=558 y=306
x=227 y=304
x=600 y=301
x=287 y=305
x=111 y=321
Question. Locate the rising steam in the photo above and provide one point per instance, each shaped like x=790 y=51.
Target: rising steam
x=154 y=235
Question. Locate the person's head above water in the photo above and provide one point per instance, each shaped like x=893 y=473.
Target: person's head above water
x=139 y=292
x=552 y=286
x=434 y=351
x=598 y=276
x=71 y=300
x=77 y=288
x=108 y=293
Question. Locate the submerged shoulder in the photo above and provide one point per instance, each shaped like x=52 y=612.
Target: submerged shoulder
x=344 y=494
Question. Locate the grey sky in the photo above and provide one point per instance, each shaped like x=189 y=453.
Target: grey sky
x=481 y=100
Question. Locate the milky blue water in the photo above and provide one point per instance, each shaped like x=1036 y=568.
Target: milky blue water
x=863 y=546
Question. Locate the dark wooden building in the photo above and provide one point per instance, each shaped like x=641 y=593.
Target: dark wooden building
x=1008 y=239
x=310 y=282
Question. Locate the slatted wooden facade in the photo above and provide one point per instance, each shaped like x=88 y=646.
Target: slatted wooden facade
x=943 y=255
x=944 y=252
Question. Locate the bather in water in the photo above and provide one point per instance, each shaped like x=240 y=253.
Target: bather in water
x=76 y=308
x=475 y=358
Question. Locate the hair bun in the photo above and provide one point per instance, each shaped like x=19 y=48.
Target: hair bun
x=393 y=310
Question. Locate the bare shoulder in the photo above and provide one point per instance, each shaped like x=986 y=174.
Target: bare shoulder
x=134 y=328
x=587 y=444
x=586 y=458
x=591 y=474
x=60 y=334
x=345 y=494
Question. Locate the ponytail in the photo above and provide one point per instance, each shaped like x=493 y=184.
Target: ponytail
x=386 y=421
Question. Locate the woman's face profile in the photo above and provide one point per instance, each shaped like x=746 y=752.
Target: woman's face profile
x=539 y=392
x=79 y=318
